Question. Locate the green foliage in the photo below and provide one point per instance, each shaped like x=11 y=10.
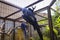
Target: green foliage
x=46 y=38
x=56 y=24
x=42 y=22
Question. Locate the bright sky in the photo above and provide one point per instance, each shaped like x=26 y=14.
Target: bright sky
x=24 y=3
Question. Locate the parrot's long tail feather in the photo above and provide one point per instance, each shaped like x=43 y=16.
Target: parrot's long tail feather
x=40 y=33
x=37 y=27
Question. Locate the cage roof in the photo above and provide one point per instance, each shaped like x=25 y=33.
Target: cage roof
x=11 y=8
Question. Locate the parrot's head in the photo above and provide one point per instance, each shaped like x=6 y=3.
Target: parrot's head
x=30 y=9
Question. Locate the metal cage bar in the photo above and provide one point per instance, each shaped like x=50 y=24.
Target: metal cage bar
x=18 y=7
x=3 y=30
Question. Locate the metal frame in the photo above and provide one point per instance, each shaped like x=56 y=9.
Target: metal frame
x=26 y=7
x=10 y=19
x=55 y=11
x=18 y=7
x=14 y=31
x=46 y=8
x=3 y=34
x=52 y=35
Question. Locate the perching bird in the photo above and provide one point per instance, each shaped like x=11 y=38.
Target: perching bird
x=23 y=27
x=29 y=16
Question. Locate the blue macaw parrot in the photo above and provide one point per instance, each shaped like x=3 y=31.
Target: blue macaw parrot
x=23 y=27
x=29 y=16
